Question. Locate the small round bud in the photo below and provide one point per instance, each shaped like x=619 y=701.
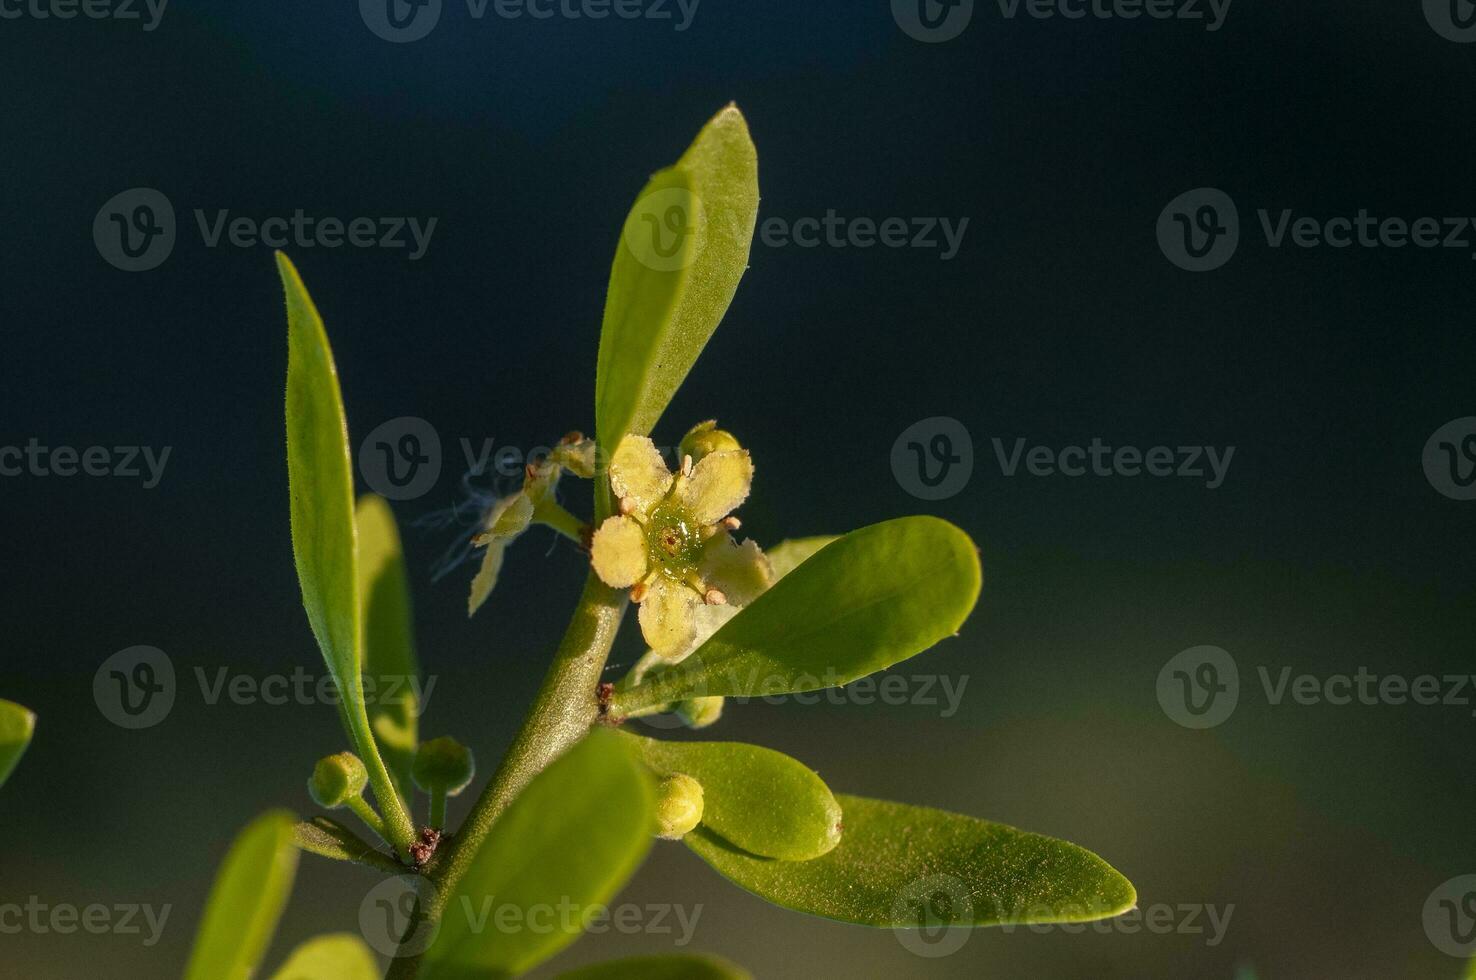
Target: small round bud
x=699 y=712
x=337 y=779
x=443 y=765
x=678 y=806
x=706 y=438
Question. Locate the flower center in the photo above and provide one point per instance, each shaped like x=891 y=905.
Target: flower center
x=673 y=540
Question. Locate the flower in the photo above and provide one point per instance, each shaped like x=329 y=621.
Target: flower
x=511 y=516
x=672 y=543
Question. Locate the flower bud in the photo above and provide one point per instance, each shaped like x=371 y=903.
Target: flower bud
x=699 y=712
x=443 y=765
x=337 y=779
x=705 y=438
x=678 y=806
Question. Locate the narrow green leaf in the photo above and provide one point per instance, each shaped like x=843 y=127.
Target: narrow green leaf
x=563 y=848
x=16 y=727
x=683 y=249
x=860 y=604
x=331 y=839
x=897 y=863
x=389 y=640
x=321 y=483
x=246 y=901
x=324 y=535
x=683 y=967
x=340 y=956
x=761 y=800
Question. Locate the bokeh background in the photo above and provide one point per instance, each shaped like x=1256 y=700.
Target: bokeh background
x=1326 y=548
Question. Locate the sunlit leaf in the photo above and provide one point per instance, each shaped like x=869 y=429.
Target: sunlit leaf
x=389 y=641
x=561 y=851
x=761 y=800
x=859 y=604
x=246 y=900
x=324 y=534
x=900 y=866
x=685 y=967
x=786 y=556
x=340 y=956
x=683 y=248
x=16 y=727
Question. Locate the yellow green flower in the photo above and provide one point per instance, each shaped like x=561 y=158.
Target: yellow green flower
x=672 y=543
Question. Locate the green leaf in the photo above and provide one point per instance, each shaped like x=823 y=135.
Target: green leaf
x=862 y=603
x=324 y=535
x=389 y=641
x=340 y=956
x=894 y=860
x=246 y=901
x=786 y=556
x=683 y=248
x=761 y=800
x=562 y=849
x=684 y=967
x=16 y=726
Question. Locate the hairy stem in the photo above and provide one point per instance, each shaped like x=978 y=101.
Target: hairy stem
x=562 y=713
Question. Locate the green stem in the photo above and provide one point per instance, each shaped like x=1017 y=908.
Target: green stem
x=562 y=713
x=398 y=831
x=551 y=513
x=365 y=812
x=438 y=809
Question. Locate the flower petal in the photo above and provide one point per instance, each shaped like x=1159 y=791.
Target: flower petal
x=618 y=552
x=718 y=484
x=637 y=472
x=509 y=517
x=486 y=578
x=668 y=615
x=740 y=571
